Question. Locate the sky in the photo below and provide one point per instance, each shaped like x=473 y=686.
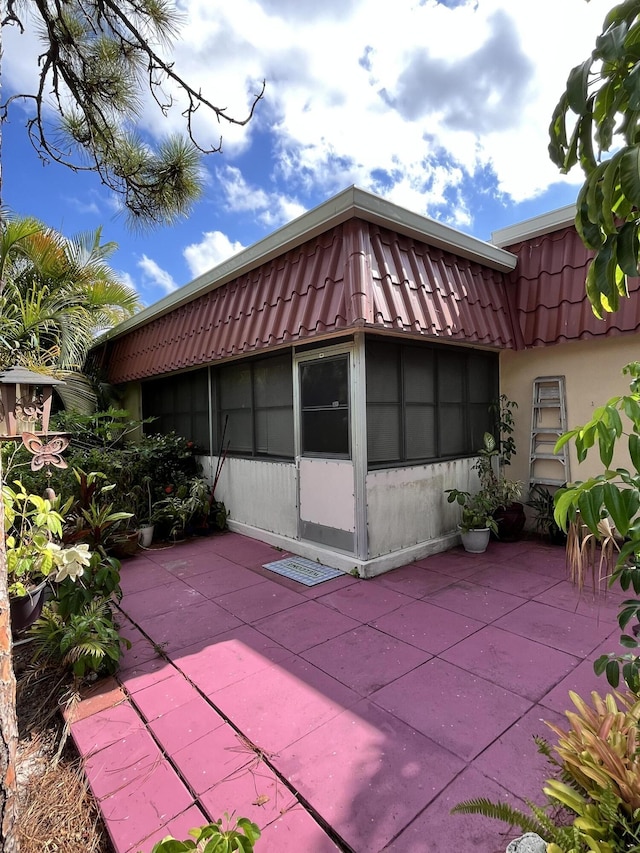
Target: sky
x=440 y=106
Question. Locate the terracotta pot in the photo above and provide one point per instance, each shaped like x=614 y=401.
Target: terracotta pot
x=26 y=609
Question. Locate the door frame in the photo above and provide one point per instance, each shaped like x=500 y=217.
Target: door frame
x=357 y=429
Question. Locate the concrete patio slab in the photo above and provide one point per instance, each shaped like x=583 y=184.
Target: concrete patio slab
x=456 y=709
x=513 y=759
x=185 y=724
x=366 y=659
x=569 y=632
x=435 y=828
x=172 y=631
x=243 y=692
x=477 y=602
x=367 y=773
x=131 y=812
x=234 y=655
x=511 y=661
x=305 y=625
x=365 y=601
x=305 y=696
x=426 y=626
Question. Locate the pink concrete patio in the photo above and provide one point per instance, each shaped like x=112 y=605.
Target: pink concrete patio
x=351 y=715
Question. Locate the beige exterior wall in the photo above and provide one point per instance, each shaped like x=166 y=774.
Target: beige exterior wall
x=593 y=374
x=132 y=402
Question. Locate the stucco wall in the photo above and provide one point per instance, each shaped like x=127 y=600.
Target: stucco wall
x=406 y=506
x=593 y=374
x=261 y=494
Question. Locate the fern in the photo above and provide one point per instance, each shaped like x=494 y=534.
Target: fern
x=499 y=811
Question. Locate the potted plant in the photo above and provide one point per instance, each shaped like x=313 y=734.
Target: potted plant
x=144 y=512
x=477 y=521
x=503 y=493
x=542 y=503
x=34 y=553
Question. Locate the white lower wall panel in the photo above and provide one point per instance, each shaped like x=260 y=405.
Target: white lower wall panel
x=407 y=506
x=257 y=493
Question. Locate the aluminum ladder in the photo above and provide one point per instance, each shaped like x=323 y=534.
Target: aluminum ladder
x=548 y=423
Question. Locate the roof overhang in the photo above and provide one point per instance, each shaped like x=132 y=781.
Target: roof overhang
x=544 y=224
x=352 y=203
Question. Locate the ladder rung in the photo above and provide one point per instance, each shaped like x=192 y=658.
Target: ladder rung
x=544 y=481
x=547 y=456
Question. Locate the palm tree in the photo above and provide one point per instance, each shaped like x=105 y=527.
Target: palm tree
x=56 y=295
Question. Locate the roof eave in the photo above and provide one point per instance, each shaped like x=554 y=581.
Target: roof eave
x=350 y=203
x=554 y=220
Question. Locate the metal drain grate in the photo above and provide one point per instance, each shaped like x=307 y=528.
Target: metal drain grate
x=303 y=570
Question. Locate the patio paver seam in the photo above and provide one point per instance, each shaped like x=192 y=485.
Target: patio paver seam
x=260 y=754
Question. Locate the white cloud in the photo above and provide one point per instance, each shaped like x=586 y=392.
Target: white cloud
x=214 y=248
x=408 y=100
x=270 y=208
x=154 y=276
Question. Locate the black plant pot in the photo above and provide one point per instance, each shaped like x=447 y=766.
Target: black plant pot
x=26 y=609
x=510 y=521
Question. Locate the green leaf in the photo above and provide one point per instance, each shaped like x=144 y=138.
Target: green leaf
x=629 y=642
x=610 y=190
x=610 y=44
x=589 y=510
x=617 y=508
x=630 y=174
x=600 y=664
x=627 y=249
x=632 y=87
x=594 y=296
x=577 y=86
x=613 y=673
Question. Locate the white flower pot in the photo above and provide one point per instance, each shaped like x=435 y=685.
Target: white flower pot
x=475 y=541
x=145 y=535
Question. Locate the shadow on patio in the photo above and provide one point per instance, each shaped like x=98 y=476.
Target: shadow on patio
x=351 y=715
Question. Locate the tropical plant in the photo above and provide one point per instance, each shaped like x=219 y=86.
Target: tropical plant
x=597 y=112
x=495 y=490
x=92 y=518
x=542 y=503
x=611 y=498
x=502 y=410
x=86 y=642
x=100 y=580
x=33 y=543
x=598 y=761
x=240 y=834
x=56 y=294
x=477 y=510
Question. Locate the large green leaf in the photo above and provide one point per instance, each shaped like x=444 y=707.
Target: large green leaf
x=611 y=44
x=634 y=450
x=617 y=508
x=627 y=248
x=577 y=86
x=632 y=88
x=611 y=193
x=630 y=174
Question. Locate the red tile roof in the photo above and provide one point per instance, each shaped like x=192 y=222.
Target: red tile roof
x=355 y=275
x=367 y=268
x=547 y=290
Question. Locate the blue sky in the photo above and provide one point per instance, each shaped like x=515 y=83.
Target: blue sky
x=441 y=107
